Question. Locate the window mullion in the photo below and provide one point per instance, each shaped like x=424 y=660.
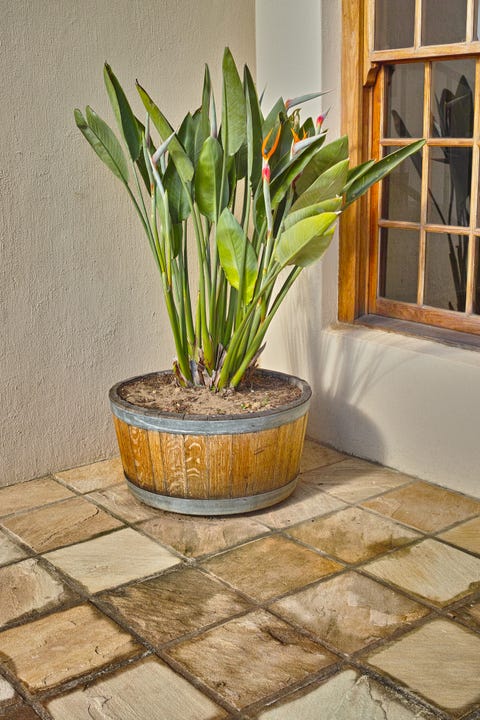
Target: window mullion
x=418 y=24
x=472 y=259
x=425 y=178
x=470 y=20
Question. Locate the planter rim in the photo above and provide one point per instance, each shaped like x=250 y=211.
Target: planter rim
x=153 y=419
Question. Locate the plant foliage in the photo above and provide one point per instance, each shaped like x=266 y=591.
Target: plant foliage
x=258 y=196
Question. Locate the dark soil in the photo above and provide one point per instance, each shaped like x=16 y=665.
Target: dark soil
x=161 y=392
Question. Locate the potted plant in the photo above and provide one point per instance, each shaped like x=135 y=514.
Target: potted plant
x=258 y=197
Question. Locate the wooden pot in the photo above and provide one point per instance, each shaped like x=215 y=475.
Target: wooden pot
x=211 y=465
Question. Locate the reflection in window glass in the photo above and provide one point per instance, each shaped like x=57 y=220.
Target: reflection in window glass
x=404 y=84
x=399 y=252
x=446 y=271
x=402 y=190
x=449 y=186
x=394 y=24
x=453 y=84
x=443 y=21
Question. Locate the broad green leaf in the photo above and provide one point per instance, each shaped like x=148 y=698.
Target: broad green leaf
x=177 y=195
x=104 y=142
x=331 y=205
x=236 y=254
x=206 y=103
x=358 y=171
x=329 y=155
x=329 y=184
x=254 y=130
x=208 y=177
x=272 y=118
x=141 y=162
x=234 y=128
x=281 y=183
x=126 y=121
x=177 y=152
x=381 y=168
x=186 y=135
x=306 y=241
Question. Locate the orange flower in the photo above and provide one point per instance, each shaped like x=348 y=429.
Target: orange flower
x=268 y=154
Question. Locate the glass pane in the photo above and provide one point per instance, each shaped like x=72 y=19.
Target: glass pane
x=476 y=292
x=449 y=186
x=443 y=21
x=446 y=271
x=402 y=190
x=453 y=84
x=394 y=24
x=404 y=106
x=399 y=251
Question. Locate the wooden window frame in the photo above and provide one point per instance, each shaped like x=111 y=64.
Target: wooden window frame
x=358 y=256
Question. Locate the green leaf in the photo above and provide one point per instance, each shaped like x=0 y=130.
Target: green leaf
x=272 y=118
x=331 y=205
x=329 y=184
x=104 y=142
x=177 y=196
x=236 y=254
x=329 y=155
x=306 y=241
x=126 y=121
x=378 y=171
x=208 y=177
x=281 y=183
x=177 y=152
x=254 y=130
x=234 y=128
x=358 y=171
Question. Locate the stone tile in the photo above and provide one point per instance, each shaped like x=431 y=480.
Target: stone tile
x=7 y=693
x=63 y=646
x=431 y=570
x=270 y=566
x=64 y=523
x=87 y=478
x=466 y=535
x=146 y=690
x=260 y=655
x=306 y=502
x=196 y=536
x=26 y=495
x=19 y=712
x=26 y=587
x=120 y=501
x=425 y=507
x=112 y=560
x=353 y=480
x=440 y=661
x=349 y=611
x=346 y=696
x=9 y=551
x=315 y=455
x=474 y=611
x=174 y=604
x=352 y=534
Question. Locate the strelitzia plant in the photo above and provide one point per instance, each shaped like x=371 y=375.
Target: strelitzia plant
x=259 y=196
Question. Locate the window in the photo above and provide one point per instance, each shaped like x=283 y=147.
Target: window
x=411 y=251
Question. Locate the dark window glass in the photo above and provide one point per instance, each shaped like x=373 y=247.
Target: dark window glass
x=399 y=251
x=394 y=24
x=449 y=186
x=402 y=190
x=446 y=271
x=453 y=86
x=404 y=110
x=443 y=21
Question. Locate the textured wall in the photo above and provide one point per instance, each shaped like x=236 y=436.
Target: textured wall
x=80 y=304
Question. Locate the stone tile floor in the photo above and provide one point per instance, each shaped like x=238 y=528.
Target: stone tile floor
x=356 y=599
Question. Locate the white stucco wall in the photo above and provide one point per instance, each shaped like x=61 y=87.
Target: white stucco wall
x=80 y=306
x=409 y=403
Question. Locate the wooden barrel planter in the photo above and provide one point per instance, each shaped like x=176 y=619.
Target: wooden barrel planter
x=211 y=465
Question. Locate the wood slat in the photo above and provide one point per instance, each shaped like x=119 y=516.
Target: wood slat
x=141 y=456
x=266 y=463
x=243 y=447
x=123 y=439
x=174 y=462
x=158 y=470
x=219 y=449
x=196 y=466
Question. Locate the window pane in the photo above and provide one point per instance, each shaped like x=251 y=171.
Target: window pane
x=394 y=24
x=404 y=108
x=402 y=190
x=443 y=21
x=446 y=271
x=399 y=251
x=453 y=84
x=476 y=292
x=449 y=186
